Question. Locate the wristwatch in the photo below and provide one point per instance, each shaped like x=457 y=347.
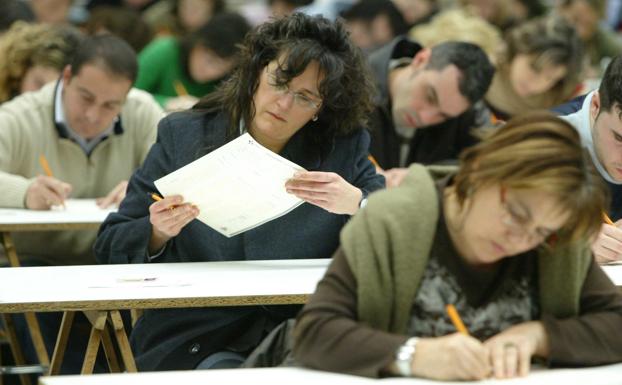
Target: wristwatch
x=363 y=201
x=404 y=357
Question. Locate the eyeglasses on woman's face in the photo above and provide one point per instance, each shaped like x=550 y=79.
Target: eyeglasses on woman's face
x=518 y=221
x=300 y=99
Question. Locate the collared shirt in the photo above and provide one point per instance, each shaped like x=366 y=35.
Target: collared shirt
x=59 y=119
x=581 y=121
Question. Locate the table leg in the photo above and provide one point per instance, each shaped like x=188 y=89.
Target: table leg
x=94 y=341
x=61 y=342
x=16 y=349
x=111 y=354
x=31 y=319
x=124 y=344
x=9 y=248
x=37 y=338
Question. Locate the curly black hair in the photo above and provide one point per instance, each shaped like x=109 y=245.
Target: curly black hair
x=297 y=40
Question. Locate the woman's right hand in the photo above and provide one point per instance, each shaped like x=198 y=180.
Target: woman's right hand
x=451 y=357
x=168 y=216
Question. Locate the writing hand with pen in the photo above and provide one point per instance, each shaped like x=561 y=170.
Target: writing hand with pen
x=459 y=356
x=607 y=247
x=168 y=216
x=46 y=191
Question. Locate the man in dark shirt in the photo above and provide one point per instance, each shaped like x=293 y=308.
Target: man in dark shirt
x=597 y=117
x=425 y=102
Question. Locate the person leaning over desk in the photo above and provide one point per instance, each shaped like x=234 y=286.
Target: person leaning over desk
x=301 y=90
x=93 y=128
x=505 y=239
x=598 y=119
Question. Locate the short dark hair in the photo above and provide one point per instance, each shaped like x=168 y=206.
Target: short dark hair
x=109 y=52
x=12 y=11
x=476 y=71
x=222 y=34
x=123 y=22
x=299 y=40
x=610 y=89
x=368 y=10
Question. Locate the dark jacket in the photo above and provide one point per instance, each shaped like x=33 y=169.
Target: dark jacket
x=433 y=144
x=181 y=338
x=615 y=209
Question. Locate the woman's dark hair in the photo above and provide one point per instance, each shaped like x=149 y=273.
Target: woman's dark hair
x=222 y=34
x=297 y=40
x=123 y=22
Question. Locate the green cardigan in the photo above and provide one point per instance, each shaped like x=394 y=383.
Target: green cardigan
x=387 y=246
x=160 y=65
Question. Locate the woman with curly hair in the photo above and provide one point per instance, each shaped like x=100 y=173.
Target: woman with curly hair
x=302 y=90
x=32 y=55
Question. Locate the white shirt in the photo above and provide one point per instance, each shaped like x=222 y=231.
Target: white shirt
x=581 y=121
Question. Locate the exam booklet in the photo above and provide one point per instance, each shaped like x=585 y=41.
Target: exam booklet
x=236 y=187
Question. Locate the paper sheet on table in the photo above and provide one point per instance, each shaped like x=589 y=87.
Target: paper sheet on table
x=237 y=187
x=74 y=211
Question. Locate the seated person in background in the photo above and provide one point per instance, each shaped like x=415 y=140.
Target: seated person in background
x=51 y=11
x=12 y=11
x=601 y=43
x=505 y=14
x=374 y=23
x=417 y=12
x=424 y=102
x=505 y=239
x=179 y=71
x=94 y=131
x=123 y=22
x=32 y=55
x=539 y=67
x=181 y=17
x=302 y=90
x=596 y=116
x=458 y=24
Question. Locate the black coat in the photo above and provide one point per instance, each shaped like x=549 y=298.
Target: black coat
x=181 y=338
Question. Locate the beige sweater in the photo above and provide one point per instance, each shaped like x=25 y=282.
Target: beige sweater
x=27 y=130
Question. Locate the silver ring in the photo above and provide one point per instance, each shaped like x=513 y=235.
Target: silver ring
x=509 y=345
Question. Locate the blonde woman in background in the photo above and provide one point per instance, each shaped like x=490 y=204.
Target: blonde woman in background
x=540 y=66
x=32 y=55
x=459 y=25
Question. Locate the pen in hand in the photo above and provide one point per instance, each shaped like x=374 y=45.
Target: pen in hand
x=455 y=319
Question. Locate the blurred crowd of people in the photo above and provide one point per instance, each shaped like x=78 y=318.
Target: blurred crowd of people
x=545 y=52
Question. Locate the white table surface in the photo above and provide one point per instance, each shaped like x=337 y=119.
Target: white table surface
x=75 y=211
x=107 y=287
x=606 y=375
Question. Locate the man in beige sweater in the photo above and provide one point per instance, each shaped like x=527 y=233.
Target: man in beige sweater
x=93 y=129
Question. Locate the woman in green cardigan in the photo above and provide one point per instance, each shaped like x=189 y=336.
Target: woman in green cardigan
x=505 y=239
x=178 y=71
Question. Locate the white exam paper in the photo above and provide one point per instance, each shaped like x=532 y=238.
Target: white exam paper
x=236 y=187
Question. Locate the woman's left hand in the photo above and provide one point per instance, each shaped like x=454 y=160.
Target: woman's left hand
x=327 y=190
x=512 y=349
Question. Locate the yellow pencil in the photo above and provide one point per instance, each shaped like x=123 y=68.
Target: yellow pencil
x=45 y=165
x=607 y=219
x=156 y=197
x=374 y=161
x=455 y=319
x=179 y=88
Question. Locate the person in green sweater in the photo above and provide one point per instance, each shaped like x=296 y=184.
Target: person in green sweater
x=178 y=71
x=504 y=238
